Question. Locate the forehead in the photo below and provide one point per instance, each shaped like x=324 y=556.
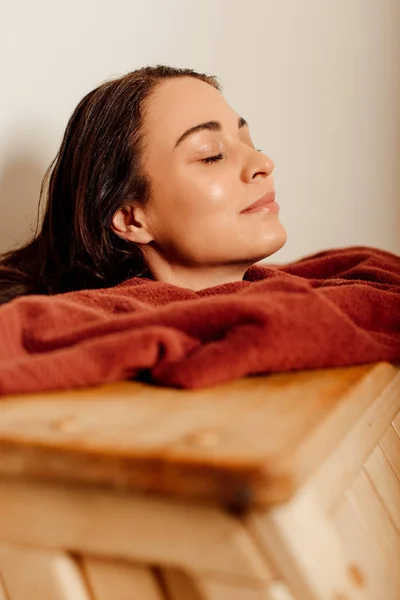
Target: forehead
x=178 y=104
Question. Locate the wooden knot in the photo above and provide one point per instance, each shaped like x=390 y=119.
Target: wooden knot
x=207 y=438
x=66 y=424
x=355 y=575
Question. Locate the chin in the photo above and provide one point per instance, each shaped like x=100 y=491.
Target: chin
x=273 y=242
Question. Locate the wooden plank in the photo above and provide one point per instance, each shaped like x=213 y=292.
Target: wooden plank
x=181 y=586
x=368 y=565
x=110 y=580
x=305 y=549
x=279 y=591
x=246 y=442
x=3 y=595
x=364 y=496
x=216 y=590
x=38 y=574
x=385 y=482
x=337 y=473
x=201 y=539
x=390 y=444
x=396 y=423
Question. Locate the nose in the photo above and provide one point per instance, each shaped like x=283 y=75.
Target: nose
x=258 y=165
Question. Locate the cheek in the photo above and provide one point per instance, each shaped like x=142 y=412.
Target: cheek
x=217 y=192
x=209 y=193
x=194 y=200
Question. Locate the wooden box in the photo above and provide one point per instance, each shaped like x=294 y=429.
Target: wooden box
x=277 y=487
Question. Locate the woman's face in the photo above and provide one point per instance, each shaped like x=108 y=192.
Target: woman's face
x=204 y=171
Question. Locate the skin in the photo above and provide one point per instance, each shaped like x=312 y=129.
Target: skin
x=191 y=231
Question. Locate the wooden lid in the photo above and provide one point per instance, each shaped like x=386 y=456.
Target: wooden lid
x=251 y=441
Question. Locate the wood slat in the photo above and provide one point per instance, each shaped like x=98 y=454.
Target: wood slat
x=246 y=442
x=368 y=566
x=200 y=539
x=340 y=469
x=38 y=574
x=390 y=444
x=213 y=590
x=385 y=482
x=3 y=595
x=110 y=580
x=305 y=549
x=279 y=591
x=183 y=587
x=365 y=498
x=180 y=586
x=396 y=423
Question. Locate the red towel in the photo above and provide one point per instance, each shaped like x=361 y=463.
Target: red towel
x=334 y=308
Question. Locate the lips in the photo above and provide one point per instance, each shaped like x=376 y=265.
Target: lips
x=264 y=204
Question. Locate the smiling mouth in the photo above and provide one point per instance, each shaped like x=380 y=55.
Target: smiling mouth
x=265 y=204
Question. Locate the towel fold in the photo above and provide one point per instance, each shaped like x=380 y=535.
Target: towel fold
x=335 y=308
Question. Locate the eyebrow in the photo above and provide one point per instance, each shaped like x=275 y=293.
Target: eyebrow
x=209 y=126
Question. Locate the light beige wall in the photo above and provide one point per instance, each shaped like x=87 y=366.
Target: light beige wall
x=318 y=81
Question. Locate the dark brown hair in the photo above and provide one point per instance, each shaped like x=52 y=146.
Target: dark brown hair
x=96 y=171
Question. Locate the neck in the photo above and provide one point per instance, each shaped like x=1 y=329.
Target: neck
x=198 y=277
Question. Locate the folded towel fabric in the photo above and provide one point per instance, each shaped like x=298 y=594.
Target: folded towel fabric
x=335 y=308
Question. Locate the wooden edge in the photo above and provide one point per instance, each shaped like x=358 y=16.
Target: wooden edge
x=85 y=521
x=331 y=480
x=238 y=487
x=37 y=573
x=113 y=580
x=304 y=548
x=355 y=404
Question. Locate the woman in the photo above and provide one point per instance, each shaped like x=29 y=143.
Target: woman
x=157 y=177
x=159 y=194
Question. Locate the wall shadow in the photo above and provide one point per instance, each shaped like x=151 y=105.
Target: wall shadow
x=21 y=175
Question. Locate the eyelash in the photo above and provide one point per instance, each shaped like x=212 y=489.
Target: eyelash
x=212 y=159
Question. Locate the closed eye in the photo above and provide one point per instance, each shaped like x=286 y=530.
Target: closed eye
x=217 y=157
x=212 y=159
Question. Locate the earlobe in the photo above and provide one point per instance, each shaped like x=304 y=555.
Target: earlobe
x=129 y=223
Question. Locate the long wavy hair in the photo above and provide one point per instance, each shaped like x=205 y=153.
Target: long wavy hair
x=97 y=169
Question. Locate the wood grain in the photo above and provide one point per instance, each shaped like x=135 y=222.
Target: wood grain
x=3 y=595
x=305 y=548
x=40 y=574
x=247 y=442
x=390 y=444
x=182 y=587
x=368 y=567
x=110 y=580
x=337 y=473
x=89 y=521
x=386 y=483
x=365 y=498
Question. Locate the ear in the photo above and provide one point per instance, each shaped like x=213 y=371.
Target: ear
x=129 y=223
